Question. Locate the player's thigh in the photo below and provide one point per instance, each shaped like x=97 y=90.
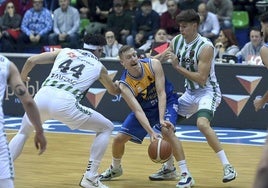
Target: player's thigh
x=132 y=127
x=77 y=116
x=186 y=105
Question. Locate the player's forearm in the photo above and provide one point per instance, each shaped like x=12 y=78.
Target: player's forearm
x=193 y=76
x=33 y=114
x=162 y=105
x=144 y=122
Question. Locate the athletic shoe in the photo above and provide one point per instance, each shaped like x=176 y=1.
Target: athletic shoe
x=111 y=173
x=186 y=181
x=229 y=173
x=86 y=183
x=164 y=174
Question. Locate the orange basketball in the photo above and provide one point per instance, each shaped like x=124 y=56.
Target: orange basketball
x=159 y=151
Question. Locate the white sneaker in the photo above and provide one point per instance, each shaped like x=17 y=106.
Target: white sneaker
x=186 y=181
x=229 y=173
x=111 y=173
x=86 y=183
x=164 y=174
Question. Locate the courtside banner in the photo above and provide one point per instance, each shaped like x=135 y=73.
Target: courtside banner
x=240 y=85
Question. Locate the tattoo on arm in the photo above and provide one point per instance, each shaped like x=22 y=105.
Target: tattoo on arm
x=19 y=90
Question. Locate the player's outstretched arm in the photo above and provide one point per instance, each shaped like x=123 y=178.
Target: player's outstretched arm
x=29 y=106
x=137 y=110
x=160 y=88
x=43 y=58
x=107 y=82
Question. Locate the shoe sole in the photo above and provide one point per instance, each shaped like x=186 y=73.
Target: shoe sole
x=228 y=180
x=161 y=179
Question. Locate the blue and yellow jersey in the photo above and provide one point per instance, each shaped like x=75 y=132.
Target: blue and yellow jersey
x=143 y=87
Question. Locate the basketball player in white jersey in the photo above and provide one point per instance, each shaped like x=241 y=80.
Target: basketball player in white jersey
x=193 y=56
x=261 y=176
x=9 y=74
x=72 y=74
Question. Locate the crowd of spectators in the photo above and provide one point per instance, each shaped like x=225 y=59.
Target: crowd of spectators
x=29 y=24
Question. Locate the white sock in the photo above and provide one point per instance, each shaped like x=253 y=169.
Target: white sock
x=170 y=163
x=116 y=163
x=183 y=166
x=92 y=170
x=221 y=155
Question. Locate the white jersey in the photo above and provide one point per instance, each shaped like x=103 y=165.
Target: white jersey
x=74 y=70
x=188 y=57
x=4 y=72
x=6 y=163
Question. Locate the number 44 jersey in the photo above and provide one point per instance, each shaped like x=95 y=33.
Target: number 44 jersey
x=74 y=70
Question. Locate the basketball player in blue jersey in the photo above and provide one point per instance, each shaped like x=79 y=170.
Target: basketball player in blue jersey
x=154 y=105
x=72 y=74
x=10 y=75
x=193 y=56
x=260 y=180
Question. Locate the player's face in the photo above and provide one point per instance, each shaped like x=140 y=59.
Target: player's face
x=129 y=58
x=98 y=52
x=264 y=29
x=188 y=29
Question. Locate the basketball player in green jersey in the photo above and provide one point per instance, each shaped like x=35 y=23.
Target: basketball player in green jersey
x=193 y=56
x=72 y=74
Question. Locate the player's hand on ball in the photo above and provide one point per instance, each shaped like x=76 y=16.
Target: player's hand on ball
x=155 y=136
x=168 y=125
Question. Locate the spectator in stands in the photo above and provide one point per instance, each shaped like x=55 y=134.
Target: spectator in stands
x=131 y=7
x=157 y=45
x=36 y=25
x=83 y=7
x=98 y=15
x=147 y=21
x=226 y=43
x=119 y=21
x=223 y=9
x=112 y=47
x=66 y=26
x=251 y=49
x=159 y=6
x=10 y=28
x=168 y=19
x=189 y=4
x=209 y=24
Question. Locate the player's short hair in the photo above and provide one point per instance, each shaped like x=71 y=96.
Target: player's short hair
x=95 y=39
x=189 y=15
x=124 y=49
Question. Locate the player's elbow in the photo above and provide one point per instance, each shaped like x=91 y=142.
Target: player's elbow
x=202 y=81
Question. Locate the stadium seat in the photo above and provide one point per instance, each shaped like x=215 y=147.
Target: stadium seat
x=240 y=19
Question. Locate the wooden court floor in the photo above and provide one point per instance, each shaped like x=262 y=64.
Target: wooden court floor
x=65 y=160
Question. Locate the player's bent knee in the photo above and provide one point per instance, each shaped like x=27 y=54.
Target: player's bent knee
x=121 y=138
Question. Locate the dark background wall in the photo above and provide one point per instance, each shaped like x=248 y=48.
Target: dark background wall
x=240 y=84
